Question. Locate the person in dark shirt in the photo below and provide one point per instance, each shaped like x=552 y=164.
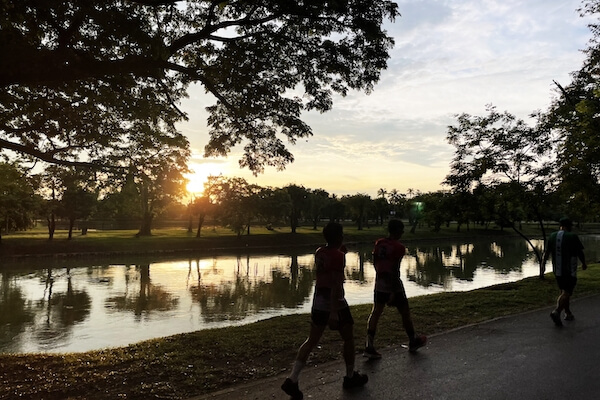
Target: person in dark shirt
x=565 y=248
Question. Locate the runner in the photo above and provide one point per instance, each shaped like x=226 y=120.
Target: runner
x=329 y=308
x=389 y=289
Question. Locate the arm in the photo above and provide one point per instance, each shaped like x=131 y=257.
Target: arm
x=581 y=255
x=582 y=259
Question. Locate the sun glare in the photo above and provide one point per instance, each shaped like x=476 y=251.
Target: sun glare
x=200 y=174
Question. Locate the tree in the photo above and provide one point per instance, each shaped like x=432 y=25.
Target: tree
x=318 y=200
x=397 y=202
x=299 y=197
x=78 y=199
x=18 y=202
x=121 y=203
x=159 y=185
x=154 y=160
x=335 y=209
x=51 y=188
x=109 y=65
x=358 y=205
x=437 y=209
x=200 y=207
x=574 y=116
x=273 y=205
x=502 y=151
x=381 y=207
x=235 y=201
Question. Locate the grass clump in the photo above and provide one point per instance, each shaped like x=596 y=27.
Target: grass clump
x=196 y=363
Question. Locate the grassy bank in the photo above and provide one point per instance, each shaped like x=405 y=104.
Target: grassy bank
x=36 y=243
x=190 y=364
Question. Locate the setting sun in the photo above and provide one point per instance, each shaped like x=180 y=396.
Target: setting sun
x=200 y=174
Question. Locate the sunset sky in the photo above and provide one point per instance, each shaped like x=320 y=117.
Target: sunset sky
x=450 y=57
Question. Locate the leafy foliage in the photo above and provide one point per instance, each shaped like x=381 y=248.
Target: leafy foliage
x=118 y=67
x=18 y=201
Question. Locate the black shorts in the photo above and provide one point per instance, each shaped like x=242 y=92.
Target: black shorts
x=321 y=318
x=566 y=283
x=400 y=298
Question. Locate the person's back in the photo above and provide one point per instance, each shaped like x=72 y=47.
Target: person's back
x=566 y=249
x=329 y=264
x=387 y=254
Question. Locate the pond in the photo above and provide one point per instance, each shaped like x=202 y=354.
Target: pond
x=72 y=306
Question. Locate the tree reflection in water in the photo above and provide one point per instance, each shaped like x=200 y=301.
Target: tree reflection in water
x=245 y=295
x=442 y=264
x=144 y=299
x=15 y=311
x=60 y=309
x=78 y=306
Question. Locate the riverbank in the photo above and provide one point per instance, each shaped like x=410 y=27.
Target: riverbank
x=191 y=364
x=35 y=243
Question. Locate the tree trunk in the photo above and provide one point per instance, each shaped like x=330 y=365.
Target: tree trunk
x=294 y=221
x=146 y=228
x=190 y=223
x=200 y=223
x=51 y=226
x=71 y=224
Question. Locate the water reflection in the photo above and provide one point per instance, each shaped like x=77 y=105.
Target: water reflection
x=142 y=297
x=443 y=264
x=78 y=307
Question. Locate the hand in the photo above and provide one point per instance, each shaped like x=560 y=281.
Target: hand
x=584 y=266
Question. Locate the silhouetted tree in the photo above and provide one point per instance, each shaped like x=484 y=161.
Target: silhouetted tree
x=77 y=76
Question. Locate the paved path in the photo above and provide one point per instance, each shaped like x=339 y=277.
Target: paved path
x=518 y=357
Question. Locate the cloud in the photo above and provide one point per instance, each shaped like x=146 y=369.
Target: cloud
x=450 y=57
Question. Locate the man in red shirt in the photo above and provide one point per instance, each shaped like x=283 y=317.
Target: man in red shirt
x=329 y=308
x=387 y=255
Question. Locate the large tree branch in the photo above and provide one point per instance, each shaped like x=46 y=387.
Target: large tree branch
x=31 y=66
x=206 y=32
x=49 y=156
x=207 y=84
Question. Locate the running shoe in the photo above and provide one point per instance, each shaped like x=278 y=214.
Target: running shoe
x=291 y=388
x=371 y=353
x=416 y=343
x=569 y=317
x=556 y=318
x=356 y=380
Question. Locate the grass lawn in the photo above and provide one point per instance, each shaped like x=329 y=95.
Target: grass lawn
x=200 y=362
x=36 y=243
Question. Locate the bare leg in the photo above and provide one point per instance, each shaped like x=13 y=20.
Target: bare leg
x=407 y=322
x=564 y=303
x=313 y=339
x=374 y=317
x=347 y=334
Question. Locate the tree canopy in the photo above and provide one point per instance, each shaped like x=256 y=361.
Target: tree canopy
x=78 y=78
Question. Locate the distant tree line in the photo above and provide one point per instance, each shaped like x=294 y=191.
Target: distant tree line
x=68 y=197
